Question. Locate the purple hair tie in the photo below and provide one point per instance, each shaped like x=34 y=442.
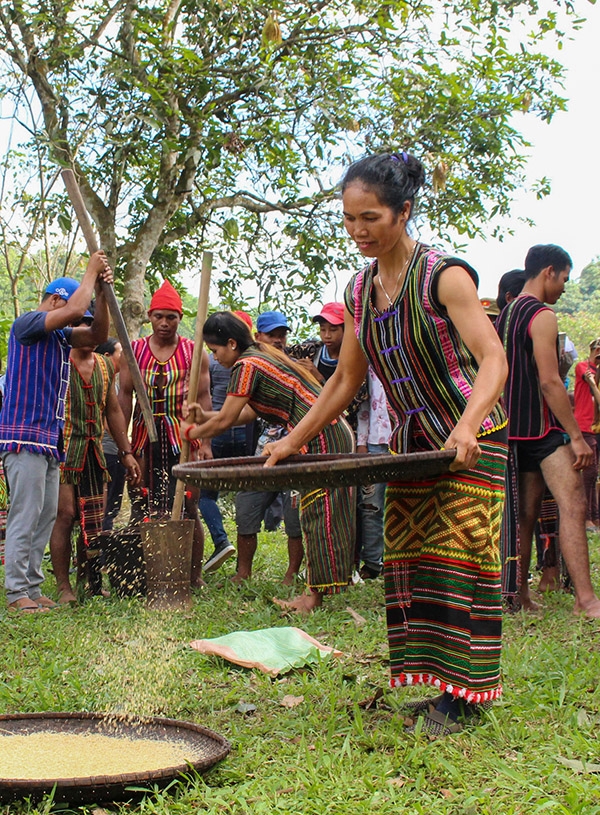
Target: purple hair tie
x=404 y=157
x=402 y=379
x=414 y=410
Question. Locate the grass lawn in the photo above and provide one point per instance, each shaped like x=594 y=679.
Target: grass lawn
x=530 y=755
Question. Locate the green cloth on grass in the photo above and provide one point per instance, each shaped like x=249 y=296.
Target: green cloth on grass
x=272 y=650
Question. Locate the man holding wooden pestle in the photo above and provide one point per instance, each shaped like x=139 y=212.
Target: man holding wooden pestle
x=32 y=421
x=164 y=359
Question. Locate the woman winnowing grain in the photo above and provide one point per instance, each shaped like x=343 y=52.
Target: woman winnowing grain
x=266 y=383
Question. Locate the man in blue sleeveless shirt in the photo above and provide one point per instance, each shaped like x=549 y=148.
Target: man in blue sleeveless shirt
x=32 y=419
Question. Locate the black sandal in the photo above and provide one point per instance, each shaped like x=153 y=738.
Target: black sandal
x=435 y=725
x=423 y=705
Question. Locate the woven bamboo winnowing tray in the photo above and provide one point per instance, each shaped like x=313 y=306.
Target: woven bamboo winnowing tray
x=205 y=745
x=310 y=471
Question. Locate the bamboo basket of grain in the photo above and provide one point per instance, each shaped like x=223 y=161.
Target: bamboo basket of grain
x=90 y=757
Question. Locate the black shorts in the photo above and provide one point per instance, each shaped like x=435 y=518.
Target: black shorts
x=530 y=452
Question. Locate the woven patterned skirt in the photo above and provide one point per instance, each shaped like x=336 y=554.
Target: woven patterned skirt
x=548 y=548
x=328 y=520
x=442 y=578
x=509 y=532
x=88 y=484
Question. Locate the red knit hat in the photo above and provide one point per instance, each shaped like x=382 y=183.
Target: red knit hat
x=166 y=299
x=245 y=318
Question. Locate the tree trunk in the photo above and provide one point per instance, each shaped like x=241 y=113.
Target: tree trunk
x=133 y=306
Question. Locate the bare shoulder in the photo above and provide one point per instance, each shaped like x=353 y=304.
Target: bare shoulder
x=544 y=326
x=456 y=285
x=457 y=292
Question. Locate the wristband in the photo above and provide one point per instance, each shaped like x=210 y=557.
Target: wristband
x=123 y=453
x=186 y=433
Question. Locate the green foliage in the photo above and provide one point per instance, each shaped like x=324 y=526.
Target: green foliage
x=28 y=291
x=227 y=125
x=578 y=310
x=34 y=223
x=5 y=324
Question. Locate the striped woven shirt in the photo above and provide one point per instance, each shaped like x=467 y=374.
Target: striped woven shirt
x=528 y=412
x=37 y=367
x=167 y=384
x=426 y=369
x=280 y=396
x=84 y=416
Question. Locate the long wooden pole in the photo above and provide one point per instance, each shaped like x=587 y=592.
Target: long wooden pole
x=207 y=259
x=74 y=193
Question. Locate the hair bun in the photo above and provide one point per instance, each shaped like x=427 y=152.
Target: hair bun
x=415 y=171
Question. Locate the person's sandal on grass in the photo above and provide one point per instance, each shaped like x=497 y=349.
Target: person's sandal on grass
x=422 y=705
x=26 y=606
x=435 y=725
x=446 y=717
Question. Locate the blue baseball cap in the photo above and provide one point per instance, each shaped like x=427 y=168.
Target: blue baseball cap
x=64 y=287
x=270 y=320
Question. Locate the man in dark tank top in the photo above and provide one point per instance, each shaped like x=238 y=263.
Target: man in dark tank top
x=549 y=445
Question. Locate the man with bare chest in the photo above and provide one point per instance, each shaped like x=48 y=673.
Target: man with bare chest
x=164 y=359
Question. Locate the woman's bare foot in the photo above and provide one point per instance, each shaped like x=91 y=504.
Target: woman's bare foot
x=303 y=604
x=591 y=609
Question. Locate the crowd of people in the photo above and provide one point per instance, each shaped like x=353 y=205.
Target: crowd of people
x=408 y=363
